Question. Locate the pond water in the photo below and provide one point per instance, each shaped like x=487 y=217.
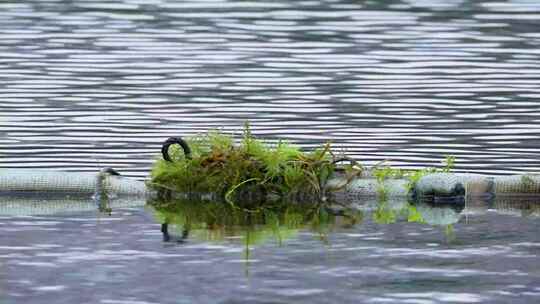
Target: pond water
x=88 y=84
x=95 y=83
x=381 y=255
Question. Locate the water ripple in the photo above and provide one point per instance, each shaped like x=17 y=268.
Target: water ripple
x=407 y=81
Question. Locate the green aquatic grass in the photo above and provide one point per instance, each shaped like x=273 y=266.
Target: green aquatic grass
x=219 y=165
x=382 y=173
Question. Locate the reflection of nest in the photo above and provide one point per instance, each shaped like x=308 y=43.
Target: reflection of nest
x=216 y=163
x=216 y=220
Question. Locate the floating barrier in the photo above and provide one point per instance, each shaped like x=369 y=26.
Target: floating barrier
x=66 y=189
x=76 y=183
x=257 y=172
x=42 y=192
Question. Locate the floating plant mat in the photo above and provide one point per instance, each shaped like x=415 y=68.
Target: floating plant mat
x=213 y=163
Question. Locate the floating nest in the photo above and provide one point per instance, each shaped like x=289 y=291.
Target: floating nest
x=251 y=169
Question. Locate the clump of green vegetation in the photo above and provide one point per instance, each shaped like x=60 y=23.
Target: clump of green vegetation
x=382 y=173
x=219 y=165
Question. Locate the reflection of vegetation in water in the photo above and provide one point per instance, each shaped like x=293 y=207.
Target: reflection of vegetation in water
x=413 y=216
x=217 y=221
x=386 y=213
x=389 y=211
x=383 y=214
x=449 y=233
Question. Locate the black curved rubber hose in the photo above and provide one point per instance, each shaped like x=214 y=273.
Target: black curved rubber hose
x=171 y=141
x=343 y=159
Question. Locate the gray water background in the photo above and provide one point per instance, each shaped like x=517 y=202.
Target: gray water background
x=87 y=84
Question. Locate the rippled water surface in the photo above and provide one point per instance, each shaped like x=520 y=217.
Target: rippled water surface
x=87 y=257
x=87 y=84
x=94 y=83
